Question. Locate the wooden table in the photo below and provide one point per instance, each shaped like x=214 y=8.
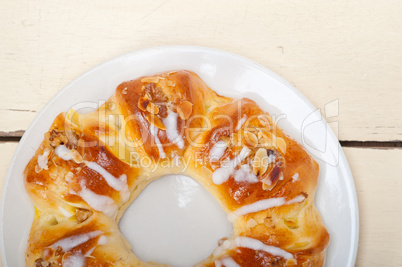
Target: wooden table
x=348 y=51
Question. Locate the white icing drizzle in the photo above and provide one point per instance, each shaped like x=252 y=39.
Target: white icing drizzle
x=76 y=260
x=264 y=205
x=245 y=174
x=240 y=123
x=98 y=202
x=226 y=262
x=70 y=242
x=63 y=152
x=217 y=150
x=251 y=243
x=42 y=159
x=295 y=177
x=172 y=134
x=102 y=240
x=297 y=199
x=154 y=131
x=222 y=174
x=271 y=158
x=118 y=184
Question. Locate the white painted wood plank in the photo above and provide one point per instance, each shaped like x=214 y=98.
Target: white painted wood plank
x=377 y=175
x=330 y=50
x=7 y=152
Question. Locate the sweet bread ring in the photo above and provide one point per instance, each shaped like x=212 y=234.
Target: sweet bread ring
x=89 y=168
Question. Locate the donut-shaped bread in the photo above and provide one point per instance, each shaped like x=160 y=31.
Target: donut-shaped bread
x=90 y=167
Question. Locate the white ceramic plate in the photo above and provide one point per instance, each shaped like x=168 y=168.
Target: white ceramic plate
x=229 y=75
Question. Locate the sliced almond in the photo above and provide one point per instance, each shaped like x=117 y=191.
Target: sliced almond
x=267 y=184
x=267 y=136
x=170 y=83
x=53 y=172
x=291 y=262
x=291 y=223
x=269 y=222
x=264 y=119
x=153 y=119
x=184 y=109
x=251 y=139
x=281 y=144
x=152 y=108
x=177 y=97
x=260 y=162
x=251 y=223
x=124 y=91
x=38 y=169
x=143 y=103
x=151 y=79
x=265 y=143
x=76 y=156
x=82 y=215
x=235 y=140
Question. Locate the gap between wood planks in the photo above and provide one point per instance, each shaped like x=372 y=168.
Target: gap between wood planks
x=16 y=137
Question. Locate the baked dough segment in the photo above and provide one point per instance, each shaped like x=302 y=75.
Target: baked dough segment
x=90 y=168
x=70 y=160
x=275 y=205
x=158 y=111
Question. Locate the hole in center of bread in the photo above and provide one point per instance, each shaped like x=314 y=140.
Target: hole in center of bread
x=175 y=220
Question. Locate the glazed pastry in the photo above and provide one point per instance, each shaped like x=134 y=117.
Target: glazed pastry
x=89 y=168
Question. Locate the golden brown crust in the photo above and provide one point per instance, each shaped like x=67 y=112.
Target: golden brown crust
x=166 y=118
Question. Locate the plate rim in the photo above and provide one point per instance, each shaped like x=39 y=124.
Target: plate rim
x=349 y=181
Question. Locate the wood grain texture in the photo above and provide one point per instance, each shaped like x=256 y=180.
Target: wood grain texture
x=377 y=179
x=377 y=176
x=330 y=50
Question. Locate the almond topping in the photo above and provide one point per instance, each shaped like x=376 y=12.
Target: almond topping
x=124 y=91
x=291 y=223
x=143 y=103
x=38 y=169
x=82 y=215
x=260 y=162
x=251 y=139
x=264 y=119
x=76 y=156
x=151 y=79
x=177 y=97
x=152 y=108
x=269 y=222
x=170 y=83
x=153 y=119
x=281 y=144
x=234 y=139
x=53 y=172
x=291 y=262
x=185 y=109
x=251 y=223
